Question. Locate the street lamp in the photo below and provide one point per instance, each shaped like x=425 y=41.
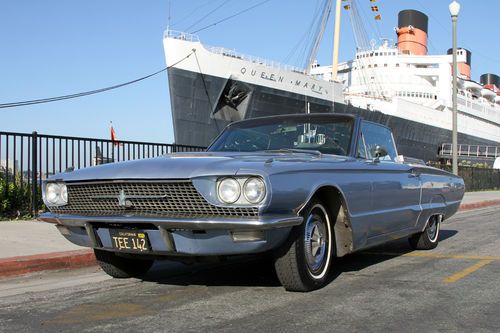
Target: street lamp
x=454 y=10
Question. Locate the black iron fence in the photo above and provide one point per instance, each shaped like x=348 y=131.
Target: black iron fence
x=27 y=159
x=477 y=179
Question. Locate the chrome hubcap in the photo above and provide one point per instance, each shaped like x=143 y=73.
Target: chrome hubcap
x=315 y=242
x=433 y=229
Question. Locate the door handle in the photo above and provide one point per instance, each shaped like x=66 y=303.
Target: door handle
x=414 y=174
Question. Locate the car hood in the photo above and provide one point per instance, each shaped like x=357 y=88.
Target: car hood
x=191 y=165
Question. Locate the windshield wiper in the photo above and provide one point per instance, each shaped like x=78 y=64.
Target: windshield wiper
x=295 y=150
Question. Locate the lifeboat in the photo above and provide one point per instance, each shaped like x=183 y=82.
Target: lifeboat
x=472 y=86
x=488 y=93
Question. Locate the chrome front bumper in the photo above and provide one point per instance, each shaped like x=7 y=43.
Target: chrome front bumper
x=176 y=236
x=263 y=223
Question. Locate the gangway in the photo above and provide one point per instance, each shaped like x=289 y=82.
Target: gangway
x=489 y=152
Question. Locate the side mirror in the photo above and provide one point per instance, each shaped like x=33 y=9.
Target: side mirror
x=380 y=151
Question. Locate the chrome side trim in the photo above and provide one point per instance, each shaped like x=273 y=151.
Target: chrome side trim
x=263 y=223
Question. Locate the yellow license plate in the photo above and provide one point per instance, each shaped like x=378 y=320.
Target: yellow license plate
x=129 y=240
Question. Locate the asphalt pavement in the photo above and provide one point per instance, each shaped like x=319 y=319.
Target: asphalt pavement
x=30 y=246
x=453 y=288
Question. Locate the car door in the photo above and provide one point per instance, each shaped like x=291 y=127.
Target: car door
x=396 y=187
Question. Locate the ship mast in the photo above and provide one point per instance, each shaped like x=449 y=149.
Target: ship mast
x=336 y=41
x=319 y=34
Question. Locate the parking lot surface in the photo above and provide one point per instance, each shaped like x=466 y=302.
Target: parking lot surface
x=452 y=288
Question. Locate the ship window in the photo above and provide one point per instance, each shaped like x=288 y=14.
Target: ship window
x=376 y=54
x=412 y=94
x=397 y=65
x=369 y=66
x=375 y=65
x=385 y=65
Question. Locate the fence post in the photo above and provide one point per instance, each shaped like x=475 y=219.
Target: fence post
x=34 y=171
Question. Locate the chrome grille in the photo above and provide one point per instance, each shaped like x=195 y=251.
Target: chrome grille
x=170 y=199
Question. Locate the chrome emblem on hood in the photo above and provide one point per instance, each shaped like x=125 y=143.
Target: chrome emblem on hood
x=122 y=200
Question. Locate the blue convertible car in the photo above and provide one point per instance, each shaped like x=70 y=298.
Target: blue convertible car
x=307 y=188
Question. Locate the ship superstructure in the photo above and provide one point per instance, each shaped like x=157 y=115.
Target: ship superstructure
x=405 y=81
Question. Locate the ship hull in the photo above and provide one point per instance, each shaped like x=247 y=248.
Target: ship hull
x=201 y=109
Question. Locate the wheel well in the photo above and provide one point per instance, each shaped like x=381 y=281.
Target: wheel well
x=335 y=204
x=439 y=216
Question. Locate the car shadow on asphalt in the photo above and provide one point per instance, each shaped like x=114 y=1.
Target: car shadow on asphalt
x=255 y=271
x=241 y=271
x=378 y=254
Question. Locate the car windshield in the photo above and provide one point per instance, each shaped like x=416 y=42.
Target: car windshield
x=327 y=135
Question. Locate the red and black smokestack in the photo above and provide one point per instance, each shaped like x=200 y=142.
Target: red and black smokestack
x=463 y=67
x=412 y=32
x=490 y=81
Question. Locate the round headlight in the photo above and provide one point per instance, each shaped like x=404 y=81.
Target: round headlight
x=52 y=193
x=64 y=193
x=229 y=190
x=254 y=190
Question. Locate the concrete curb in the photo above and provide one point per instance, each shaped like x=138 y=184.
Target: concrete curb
x=480 y=204
x=47 y=261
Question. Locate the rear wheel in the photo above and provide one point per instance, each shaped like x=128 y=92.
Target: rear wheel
x=303 y=262
x=429 y=238
x=121 y=267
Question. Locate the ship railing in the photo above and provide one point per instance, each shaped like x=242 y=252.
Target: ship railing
x=480 y=107
x=256 y=60
x=232 y=53
x=470 y=150
x=181 y=35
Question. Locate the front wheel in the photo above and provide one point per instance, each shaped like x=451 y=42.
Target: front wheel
x=303 y=262
x=428 y=239
x=121 y=267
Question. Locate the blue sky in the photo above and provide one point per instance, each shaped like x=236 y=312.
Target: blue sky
x=55 y=47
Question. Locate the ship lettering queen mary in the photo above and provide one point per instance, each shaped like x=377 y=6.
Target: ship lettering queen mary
x=401 y=86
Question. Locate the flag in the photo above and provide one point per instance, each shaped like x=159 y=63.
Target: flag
x=374 y=8
x=114 y=138
x=347 y=7
x=378 y=17
x=373 y=0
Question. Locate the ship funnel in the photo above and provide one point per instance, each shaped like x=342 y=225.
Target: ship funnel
x=463 y=67
x=491 y=81
x=412 y=32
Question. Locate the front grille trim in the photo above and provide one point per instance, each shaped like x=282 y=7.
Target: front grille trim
x=182 y=200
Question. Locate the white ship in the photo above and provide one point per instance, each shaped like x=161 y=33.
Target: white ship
x=400 y=86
